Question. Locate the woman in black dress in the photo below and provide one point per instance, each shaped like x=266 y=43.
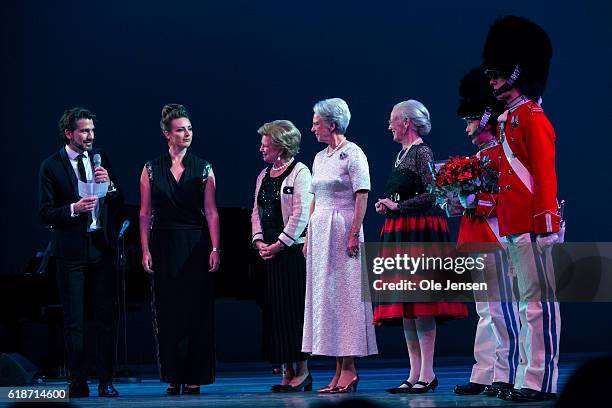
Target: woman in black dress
x=179 y=231
x=412 y=216
x=280 y=215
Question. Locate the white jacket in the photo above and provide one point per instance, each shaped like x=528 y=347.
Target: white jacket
x=295 y=204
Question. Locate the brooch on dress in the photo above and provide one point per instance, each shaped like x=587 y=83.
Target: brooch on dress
x=342 y=155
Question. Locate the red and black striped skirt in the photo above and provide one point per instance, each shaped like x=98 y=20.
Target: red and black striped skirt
x=430 y=226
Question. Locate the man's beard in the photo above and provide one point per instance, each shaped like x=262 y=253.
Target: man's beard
x=86 y=147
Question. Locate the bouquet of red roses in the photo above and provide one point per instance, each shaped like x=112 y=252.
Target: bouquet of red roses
x=463 y=176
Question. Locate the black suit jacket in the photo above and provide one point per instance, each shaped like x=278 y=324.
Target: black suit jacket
x=57 y=189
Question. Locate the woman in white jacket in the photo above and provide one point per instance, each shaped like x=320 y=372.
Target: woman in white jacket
x=279 y=219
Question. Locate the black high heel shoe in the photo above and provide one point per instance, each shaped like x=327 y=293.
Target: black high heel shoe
x=400 y=389
x=427 y=386
x=189 y=390
x=285 y=371
x=328 y=389
x=305 y=385
x=350 y=387
x=278 y=387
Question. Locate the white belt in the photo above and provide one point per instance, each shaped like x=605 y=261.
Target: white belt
x=494 y=225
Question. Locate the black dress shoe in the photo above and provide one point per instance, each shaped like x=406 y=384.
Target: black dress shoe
x=400 y=389
x=470 y=388
x=494 y=389
x=78 y=389
x=426 y=387
x=107 y=390
x=529 y=395
x=504 y=393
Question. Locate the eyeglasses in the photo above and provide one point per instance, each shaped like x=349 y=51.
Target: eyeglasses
x=494 y=74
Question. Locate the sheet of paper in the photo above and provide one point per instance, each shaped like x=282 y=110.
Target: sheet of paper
x=93 y=189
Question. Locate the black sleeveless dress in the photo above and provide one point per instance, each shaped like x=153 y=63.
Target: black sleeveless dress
x=284 y=281
x=182 y=288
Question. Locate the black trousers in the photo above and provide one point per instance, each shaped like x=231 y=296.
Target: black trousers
x=95 y=273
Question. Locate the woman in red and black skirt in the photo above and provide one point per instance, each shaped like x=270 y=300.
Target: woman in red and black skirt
x=411 y=216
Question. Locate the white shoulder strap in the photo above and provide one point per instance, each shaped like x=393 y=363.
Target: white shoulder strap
x=519 y=168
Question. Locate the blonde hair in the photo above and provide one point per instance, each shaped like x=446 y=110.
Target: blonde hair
x=283 y=134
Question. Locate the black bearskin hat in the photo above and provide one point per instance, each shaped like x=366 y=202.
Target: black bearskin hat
x=475 y=97
x=518 y=42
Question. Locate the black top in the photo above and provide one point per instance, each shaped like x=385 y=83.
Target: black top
x=178 y=205
x=407 y=183
x=268 y=199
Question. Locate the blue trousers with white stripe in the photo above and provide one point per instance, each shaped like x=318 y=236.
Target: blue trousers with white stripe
x=539 y=312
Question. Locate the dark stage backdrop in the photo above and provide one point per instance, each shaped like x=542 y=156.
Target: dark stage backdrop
x=237 y=64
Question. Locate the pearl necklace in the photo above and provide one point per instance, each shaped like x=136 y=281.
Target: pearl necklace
x=401 y=156
x=335 y=149
x=283 y=166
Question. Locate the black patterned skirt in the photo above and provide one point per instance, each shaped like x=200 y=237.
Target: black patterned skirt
x=282 y=306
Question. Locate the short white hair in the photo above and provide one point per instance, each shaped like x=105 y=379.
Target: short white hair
x=417 y=113
x=334 y=110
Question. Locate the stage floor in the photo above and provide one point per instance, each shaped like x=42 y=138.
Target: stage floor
x=251 y=389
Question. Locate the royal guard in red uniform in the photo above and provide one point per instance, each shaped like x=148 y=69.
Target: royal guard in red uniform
x=517 y=56
x=496 y=344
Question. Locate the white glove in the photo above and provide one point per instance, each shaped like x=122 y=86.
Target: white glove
x=561 y=233
x=468 y=201
x=545 y=241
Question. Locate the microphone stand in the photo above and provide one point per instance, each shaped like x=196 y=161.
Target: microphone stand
x=123 y=374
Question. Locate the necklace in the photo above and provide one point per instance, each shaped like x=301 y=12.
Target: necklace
x=283 y=166
x=330 y=154
x=402 y=153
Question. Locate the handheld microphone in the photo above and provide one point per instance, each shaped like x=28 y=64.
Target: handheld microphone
x=97 y=160
x=124 y=227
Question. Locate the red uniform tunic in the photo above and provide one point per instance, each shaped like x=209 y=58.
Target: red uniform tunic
x=531 y=138
x=476 y=229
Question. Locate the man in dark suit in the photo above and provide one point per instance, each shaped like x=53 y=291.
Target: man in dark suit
x=83 y=235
